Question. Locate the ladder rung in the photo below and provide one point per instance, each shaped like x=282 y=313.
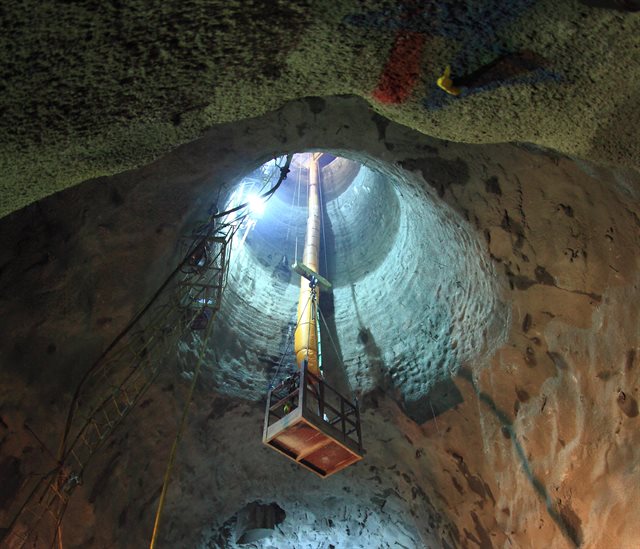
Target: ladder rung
x=121 y=378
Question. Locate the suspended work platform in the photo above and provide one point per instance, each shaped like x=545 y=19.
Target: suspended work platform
x=312 y=424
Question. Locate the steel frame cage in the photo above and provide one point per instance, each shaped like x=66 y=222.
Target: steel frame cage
x=306 y=398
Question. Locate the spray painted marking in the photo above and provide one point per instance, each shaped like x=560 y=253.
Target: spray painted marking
x=475 y=29
x=402 y=68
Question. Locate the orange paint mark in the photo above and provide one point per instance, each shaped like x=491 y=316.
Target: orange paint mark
x=402 y=68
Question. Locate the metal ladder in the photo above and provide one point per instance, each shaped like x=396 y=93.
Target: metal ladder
x=122 y=376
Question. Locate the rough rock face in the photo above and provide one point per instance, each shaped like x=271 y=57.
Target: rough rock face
x=94 y=88
x=539 y=448
x=388 y=241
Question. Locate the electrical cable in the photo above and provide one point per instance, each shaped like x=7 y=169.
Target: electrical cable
x=180 y=432
x=297 y=193
x=307 y=202
x=319 y=339
x=284 y=170
x=335 y=347
x=313 y=306
x=288 y=344
x=322 y=224
x=178 y=438
x=290 y=224
x=210 y=228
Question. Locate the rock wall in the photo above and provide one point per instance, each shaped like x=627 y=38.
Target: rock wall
x=539 y=447
x=96 y=88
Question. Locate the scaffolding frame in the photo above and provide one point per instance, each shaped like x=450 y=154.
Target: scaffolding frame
x=122 y=376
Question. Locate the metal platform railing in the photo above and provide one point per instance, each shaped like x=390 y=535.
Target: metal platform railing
x=311 y=423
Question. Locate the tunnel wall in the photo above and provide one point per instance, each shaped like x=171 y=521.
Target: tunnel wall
x=541 y=446
x=95 y=90
x=414 y=297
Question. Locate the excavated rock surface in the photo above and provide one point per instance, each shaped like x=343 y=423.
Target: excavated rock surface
x=390 y=242
x=94 y=88
x=541 y=446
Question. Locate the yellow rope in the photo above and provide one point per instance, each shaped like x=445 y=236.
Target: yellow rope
x=172 y=456
x=176 y=442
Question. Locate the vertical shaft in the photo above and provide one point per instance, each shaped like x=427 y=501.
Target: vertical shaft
x=306 y=339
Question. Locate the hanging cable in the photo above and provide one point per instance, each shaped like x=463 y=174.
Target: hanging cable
x=284 y=170
x=298 y=205
x=291 y=216
x=313 y=307
x=335 y=347
x=180 y=432
x=307 y=202
x=65 y=450
x=288 y=345
x=322 y=224
x=178 y=438
x=319 y=341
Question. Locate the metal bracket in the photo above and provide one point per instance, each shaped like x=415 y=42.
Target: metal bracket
x=310 y=274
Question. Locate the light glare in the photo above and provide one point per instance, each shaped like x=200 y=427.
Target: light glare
x=257 y=205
